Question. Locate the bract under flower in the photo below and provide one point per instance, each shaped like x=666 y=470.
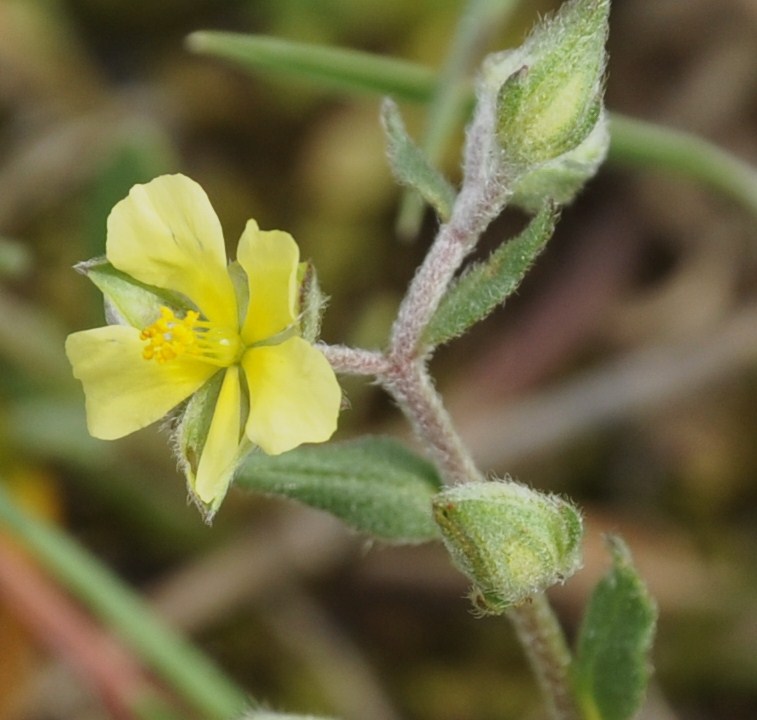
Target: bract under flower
x=166 y=248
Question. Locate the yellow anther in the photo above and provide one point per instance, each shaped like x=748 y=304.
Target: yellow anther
x=170 y=337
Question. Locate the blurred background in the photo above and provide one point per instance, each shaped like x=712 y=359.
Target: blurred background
x=623 y=374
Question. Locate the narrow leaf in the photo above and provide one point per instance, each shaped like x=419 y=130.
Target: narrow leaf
x=486 y=285
x=337 y=68
x=411 y=166
x=269 y=715
x=374 y=484
x=611 y=667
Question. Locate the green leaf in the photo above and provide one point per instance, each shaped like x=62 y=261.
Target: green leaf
x=374 y=484
x=268 y=715
x=486 y=285
x=336 y=68
x=637 y=143
x=611 y=666
x=411 y=166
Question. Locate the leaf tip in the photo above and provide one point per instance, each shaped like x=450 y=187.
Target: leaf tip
x=197 y=41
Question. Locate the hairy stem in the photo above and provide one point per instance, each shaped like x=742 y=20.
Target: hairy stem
x=410 y=385
x=449 y=100
x=473 y=211
x=407 y=379
x=354 y=361
x=535 y=622
x=544 y=643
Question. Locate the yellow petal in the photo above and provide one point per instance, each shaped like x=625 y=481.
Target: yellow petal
x=270 y=260
x=124 y=392
x=219 y=454
x=294 y=396
x=166 y=234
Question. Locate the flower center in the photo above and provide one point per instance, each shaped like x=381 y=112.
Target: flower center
x=170 y=337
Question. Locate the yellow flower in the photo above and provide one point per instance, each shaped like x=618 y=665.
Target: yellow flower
x=189 y=321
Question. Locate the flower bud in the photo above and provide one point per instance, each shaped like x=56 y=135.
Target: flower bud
x=511 y=541
x=549 y=90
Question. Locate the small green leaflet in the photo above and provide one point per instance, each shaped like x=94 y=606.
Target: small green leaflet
x=611 y=666
x=485 y=285
x=411 y=166
x=373 y=484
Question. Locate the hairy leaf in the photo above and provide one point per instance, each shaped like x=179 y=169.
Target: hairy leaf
x=611 y=666
x=486 y=285
x=411 y=166
x=374 y=484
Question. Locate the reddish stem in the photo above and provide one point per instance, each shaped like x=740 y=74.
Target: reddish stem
x=59 y=624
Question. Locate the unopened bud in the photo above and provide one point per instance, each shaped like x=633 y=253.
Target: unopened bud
x=512 y=542
x=549 y=90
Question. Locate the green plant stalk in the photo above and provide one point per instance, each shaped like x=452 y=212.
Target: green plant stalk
x=198 y=681
x=644 y=144
x=544 y=643
x=407 y=379
x=536 y=624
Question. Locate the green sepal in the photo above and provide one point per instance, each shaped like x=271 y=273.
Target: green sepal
x=560 y=180
x=611 y=666
x=411 y=166
x=373 y=484
x=549 y=90
x=191 y=425
x=128 y=301
x=488 y=284
x=312 y=302
x=529 y=139
x=509 y=540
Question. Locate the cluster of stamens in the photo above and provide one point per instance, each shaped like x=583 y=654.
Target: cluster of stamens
x=170 y=337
